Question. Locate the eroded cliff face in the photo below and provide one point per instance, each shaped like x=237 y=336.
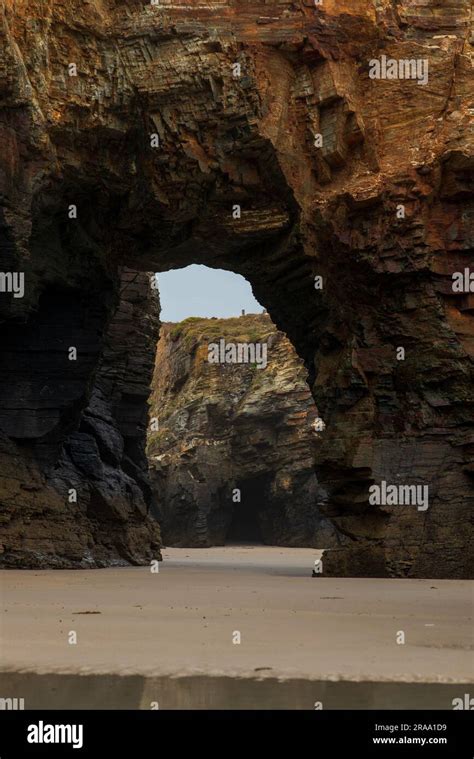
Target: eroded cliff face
x=128 y=137
x=232 y=445
x=74 y=486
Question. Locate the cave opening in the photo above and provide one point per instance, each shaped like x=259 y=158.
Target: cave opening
x=43 y=384
x=245 y=524
x=233 y=425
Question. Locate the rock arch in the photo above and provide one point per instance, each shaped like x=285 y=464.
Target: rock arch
x=307 y=208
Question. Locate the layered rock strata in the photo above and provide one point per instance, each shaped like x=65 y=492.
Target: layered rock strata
x=262 y=138
x=74 y=486
x=232 y=445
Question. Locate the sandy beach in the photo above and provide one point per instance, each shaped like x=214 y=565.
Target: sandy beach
x=183 y=622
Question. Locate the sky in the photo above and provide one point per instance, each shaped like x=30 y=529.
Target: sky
x=200 y=291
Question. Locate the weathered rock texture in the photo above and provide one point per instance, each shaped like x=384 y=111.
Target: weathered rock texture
x=74 y=484
x=168 y=70
x=223 y=427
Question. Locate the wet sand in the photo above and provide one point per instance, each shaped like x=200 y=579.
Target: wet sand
x=183 y=621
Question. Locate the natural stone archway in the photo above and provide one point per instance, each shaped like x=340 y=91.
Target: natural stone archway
x=85 y=144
